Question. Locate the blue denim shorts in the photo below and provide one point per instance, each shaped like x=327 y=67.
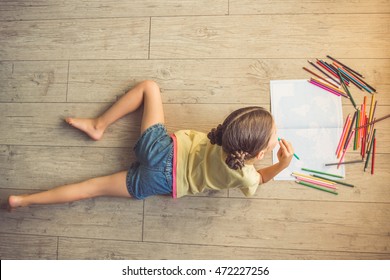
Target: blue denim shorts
x=151 y=174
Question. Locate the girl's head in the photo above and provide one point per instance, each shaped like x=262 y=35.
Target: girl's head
x=246 y=133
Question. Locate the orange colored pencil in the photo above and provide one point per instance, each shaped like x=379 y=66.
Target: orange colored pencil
x=344 y=139
x=343 y=133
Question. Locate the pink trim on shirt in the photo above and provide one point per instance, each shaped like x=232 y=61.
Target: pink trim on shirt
x=174 y=186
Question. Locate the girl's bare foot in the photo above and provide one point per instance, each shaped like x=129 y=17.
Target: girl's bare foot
x=89 y=126
x=15 y=201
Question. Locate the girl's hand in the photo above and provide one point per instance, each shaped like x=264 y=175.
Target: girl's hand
x=285 y=153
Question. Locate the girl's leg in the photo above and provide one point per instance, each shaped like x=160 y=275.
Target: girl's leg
x=146 y=93
x=112 y=185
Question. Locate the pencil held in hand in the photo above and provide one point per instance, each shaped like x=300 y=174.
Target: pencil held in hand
x=294 y=153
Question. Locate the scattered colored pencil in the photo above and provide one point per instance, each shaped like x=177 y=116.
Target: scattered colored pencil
x=369 y=151
x=295 y=174
x=324 y=87
x=375 y=121
x=323 y=173
x=319 y=77
x=343 y=133
x=345 y=162
x=336 y=181
x=346 y=89
x=336 y=89
x=345 y=150
x=373 y=157
x=345 y=66
x=315 y=187
x=316 y=182
x=323 y=72
x=354 y=81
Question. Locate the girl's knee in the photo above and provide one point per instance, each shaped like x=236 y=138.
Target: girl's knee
x=150 y=85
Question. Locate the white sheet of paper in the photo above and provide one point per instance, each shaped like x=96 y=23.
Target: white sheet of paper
x=311 y=119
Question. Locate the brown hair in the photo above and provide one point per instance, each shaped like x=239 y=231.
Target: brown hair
x=243 y=134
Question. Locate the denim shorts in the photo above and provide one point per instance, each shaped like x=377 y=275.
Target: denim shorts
x=151 y=174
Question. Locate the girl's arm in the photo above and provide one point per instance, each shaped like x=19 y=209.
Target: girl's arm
x=285 y=155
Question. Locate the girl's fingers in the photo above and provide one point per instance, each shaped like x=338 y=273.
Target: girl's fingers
x=286 y=147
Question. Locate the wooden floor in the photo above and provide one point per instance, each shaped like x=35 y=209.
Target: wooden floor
x=75 y=58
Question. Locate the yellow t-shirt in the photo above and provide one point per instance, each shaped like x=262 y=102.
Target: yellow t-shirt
x=201 y=165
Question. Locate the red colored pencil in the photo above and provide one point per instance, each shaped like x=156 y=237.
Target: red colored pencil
x=319 y=77
x=373 y=157
x=323 y=65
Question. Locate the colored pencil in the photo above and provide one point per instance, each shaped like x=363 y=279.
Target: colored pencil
x=360 y=75
x=356 y=139
x=369 y=151
x=344 y=132
x=342 y=93
x=345 y=150
x=295 y=174
x=316 y=182
x=369 y=137
x=294 y=153
x=319 y=77
x=373 y=157
x=360 y=80
x=350 y=128
x=355 y=82
x=323 y=173
x=345 y=162
x=326 y=67
x=315 y=187
x=371 y=109
x=326 y=74
x=374 y=121
x=346 y=89
x=323 y=87
x=336 y=181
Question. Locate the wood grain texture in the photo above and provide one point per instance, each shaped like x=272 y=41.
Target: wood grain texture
x=209 y=57
x=304 y=225
x=105 y=218
x=299 y=7
x=74 y=39
x=76 y=248
x=27 y=247
x=46 y=9
x=271 y=36
x=33 y=81
x=206 y=81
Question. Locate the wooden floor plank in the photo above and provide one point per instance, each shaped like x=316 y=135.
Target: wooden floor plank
x=75 y=39
x=45 y=9
x=76 y=248
x=27 y=247
x=271 y=36
x=33 y=81
x=303 y=225
x=206 y=81
x=298 y=7
x=103 y=218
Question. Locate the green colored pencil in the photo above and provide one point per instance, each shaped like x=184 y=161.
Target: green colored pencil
x=315 y=187
x=346 y=89
x=323 y=173
x=336 y=181
x=294 y=153
x=369 y=151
